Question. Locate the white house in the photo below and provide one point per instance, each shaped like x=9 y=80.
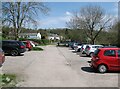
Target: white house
x=53 y=37
x=30 y=35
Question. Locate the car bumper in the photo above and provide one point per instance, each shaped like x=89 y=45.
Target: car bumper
x=22 y=50
x=93 y=64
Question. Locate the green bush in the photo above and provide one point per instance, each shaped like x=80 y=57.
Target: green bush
x=45 y=41
x=37 y=49
x=41 y=42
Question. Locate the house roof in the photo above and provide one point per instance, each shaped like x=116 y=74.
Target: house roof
x=30 y=34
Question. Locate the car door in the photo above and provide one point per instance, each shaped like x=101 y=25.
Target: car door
x=111 y=59
x=118 y=59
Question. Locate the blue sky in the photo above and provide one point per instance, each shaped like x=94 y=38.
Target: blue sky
x=61 y=12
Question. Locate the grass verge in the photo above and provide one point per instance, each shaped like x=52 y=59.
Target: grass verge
x=37 y=49
x=7 y=80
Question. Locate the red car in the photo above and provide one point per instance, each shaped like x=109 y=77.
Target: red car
x=2 y=57
x=28 y=45
x=106 y=59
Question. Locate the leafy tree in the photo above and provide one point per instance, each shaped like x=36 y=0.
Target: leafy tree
x=19 y=14
x=90 y=18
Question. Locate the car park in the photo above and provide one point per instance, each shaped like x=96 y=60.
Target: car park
x=106 y=59
x=13 y=47
x=89 y=50
x=2 y=57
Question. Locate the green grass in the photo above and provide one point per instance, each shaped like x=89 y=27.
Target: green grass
x=37 y=49
x=8 y=80
x=42 y=45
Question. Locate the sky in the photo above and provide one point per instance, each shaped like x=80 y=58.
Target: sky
x=61 y=12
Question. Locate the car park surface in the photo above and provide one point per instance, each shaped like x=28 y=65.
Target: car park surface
x=57 y=67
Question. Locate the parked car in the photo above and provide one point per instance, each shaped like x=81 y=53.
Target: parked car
x=32 y=43
x=82 y=50
x=28 y=45
x=35 y=43
x=78 y=47
x=74 y=44
x=13 y=47
x=89 y=50
x=2 y=57
x=106 y=59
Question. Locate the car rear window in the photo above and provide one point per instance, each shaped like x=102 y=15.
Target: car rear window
x=96 y=52
x=109 y=53
x=21 y=43
x=1 y=50
x=118 y=53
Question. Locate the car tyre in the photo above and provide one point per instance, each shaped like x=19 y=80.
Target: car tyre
x=102 y=69
x=14 y=53
x=91 y=54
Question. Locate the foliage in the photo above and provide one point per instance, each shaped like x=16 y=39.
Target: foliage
x=91 y=19
x=8 y=80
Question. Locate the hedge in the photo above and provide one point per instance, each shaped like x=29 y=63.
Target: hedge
x=42 y=41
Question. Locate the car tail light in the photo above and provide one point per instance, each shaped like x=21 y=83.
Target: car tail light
x=82 y=48
x=76 y=47
x=88 y=48
x=97 y=58
x=22 y=47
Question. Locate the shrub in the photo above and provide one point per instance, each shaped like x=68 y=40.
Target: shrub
x=8 y=80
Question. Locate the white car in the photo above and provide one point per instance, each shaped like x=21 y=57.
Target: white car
x=89 y=50
x=31 y=42
x=82 y=50
x=77 y=48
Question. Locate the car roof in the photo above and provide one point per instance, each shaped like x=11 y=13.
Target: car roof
x=11 y=40
x=95 y=45
x=110 y=48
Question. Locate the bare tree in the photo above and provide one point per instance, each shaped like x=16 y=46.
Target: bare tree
x=18 y=14
x=92 y=19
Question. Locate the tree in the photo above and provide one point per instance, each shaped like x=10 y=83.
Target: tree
x=19 y=14
x=92 y=19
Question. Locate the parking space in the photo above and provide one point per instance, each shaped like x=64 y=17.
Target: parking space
x=57 y=67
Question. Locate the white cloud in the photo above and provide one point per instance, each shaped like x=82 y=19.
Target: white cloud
x=68 y=13
x=52 y=22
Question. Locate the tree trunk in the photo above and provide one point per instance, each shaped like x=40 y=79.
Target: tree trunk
x=92 y=41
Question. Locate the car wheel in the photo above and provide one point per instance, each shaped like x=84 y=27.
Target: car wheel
x=78 y=50
x=91 y=54
x=14 y=53
x=29 y=49
x=102 y=69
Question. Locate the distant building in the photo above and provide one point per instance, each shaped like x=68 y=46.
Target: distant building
x=30 y=35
